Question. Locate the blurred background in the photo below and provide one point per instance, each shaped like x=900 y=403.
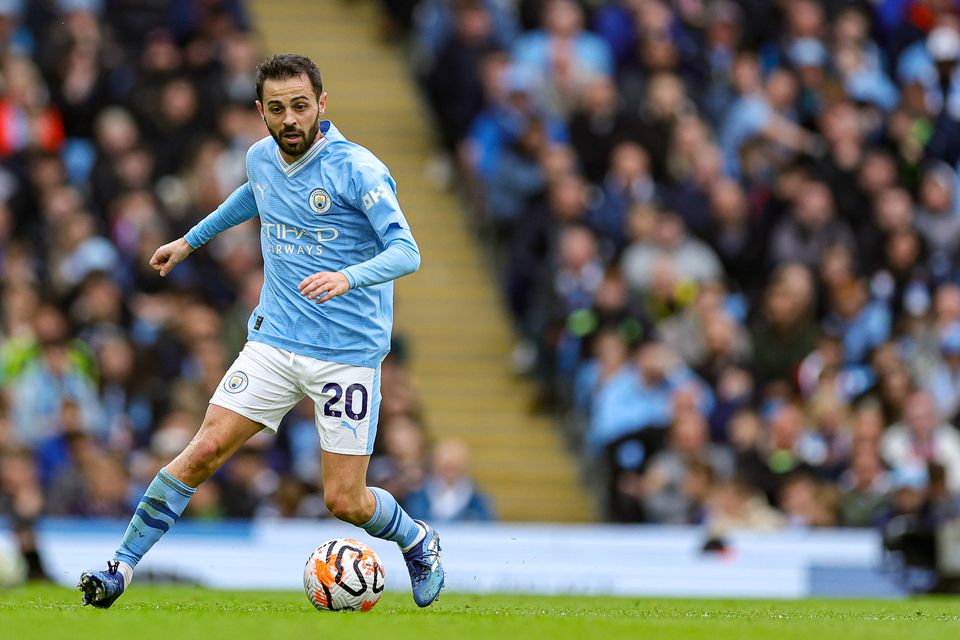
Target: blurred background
x=689 y=263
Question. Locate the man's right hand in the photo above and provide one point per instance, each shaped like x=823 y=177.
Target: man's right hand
x=169 y=255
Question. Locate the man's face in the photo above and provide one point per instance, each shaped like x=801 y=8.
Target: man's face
x=291 y=111
x=921 y=415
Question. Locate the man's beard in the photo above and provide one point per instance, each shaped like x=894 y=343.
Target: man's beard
x=300 y=147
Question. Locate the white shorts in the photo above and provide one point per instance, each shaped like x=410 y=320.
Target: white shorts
x=265 y=382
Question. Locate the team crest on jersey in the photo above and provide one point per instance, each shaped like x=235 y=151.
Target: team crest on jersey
x=320 y=201
x=236 y=382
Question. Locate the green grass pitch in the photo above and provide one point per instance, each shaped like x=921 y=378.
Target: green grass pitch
x=148 y=613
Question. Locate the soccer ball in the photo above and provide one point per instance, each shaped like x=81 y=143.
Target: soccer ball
x=343 y=575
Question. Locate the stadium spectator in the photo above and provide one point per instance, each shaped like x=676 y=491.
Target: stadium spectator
x=922 y=438
x=943 y=382
x=22 y=501
x=943 y=503
x=789 y=447
x=610 y=356
x=860 y=61
x=811 y=229
x=908 y=498
x=511 y=109
x=400 y=463
x=831 y=422
x=627 y=183
x=706 y=336
x=448 y=494
x=783 y=332
x=729 y=228
x=520 y=178
x=562 y=55
x=735 y=505
x=453 y=81
x=672 y=483
x=690 y=259
x=435 y=21
x=642 y=396
x=937 y=220
x=533 y=251
x=863 y=489
x=247 y=481
x=596 y=124
x=49 y=379
x=764 y=113
x=94 y=485
x=930 y=63
x=861 y=324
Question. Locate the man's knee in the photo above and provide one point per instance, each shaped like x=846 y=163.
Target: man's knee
x=205 y=452
x=346 y=504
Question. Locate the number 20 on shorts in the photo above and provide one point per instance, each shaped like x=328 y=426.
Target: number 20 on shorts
x=355 y=400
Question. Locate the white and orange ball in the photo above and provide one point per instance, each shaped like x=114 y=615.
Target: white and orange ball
x=343 y=575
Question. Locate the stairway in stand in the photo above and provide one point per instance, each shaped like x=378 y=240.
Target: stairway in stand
x=450 y=311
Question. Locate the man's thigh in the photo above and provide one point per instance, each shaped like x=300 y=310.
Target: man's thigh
x=344 y=473
x=260 y=385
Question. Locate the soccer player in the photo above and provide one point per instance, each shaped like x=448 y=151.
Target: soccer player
x=333 y=240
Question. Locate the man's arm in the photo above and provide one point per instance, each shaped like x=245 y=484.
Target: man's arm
x=239 y=207
x=376 y=198
x=400 y=257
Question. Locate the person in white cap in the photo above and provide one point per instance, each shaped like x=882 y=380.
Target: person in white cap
x=932 y=63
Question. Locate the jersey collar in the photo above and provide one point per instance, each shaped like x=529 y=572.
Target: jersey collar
x=290 y=169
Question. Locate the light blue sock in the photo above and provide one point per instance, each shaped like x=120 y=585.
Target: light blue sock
x=390 y=522
x=159 y=508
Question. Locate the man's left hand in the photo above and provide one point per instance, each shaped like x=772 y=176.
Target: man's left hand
x=324 y=285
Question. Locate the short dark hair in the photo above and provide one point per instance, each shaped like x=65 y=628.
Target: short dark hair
x=283 y=66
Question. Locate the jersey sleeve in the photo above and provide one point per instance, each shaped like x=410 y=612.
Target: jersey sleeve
x=373 y=192
x=239 y=207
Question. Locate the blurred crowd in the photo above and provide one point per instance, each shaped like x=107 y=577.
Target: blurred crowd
x=728 y=233
x=122 y=123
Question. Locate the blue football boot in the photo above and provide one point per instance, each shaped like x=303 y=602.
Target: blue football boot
x=102 y=588
x=423 y=563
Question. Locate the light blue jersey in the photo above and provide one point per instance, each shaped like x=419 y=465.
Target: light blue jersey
x=334 y=209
